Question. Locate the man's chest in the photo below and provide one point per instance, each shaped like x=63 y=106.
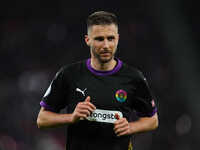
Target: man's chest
x=105 y=92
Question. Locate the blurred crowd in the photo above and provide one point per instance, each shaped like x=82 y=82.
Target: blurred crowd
x=32 y=49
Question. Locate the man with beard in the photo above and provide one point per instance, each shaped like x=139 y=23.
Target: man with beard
x=100 y=94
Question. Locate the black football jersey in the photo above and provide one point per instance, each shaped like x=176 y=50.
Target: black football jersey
x=123 y=89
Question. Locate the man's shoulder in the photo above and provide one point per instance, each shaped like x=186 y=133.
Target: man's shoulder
x=73 y=66
x=132 y=70
x=72 y=69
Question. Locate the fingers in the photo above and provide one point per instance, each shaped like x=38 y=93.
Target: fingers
x=83 y=109
x=90 y=105
x=87 y=99
x=119 y=124
x=123 y=132
x=87 y=102
x=121 y=127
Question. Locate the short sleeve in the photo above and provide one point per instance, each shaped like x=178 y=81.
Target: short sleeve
x=144 y=103
x=54 y=97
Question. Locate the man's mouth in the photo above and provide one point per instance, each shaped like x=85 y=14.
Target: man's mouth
x=105 y=54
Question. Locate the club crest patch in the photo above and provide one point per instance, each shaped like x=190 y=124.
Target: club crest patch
x=121 y=95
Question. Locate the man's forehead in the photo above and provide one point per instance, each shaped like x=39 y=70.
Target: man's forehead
x=102 y=29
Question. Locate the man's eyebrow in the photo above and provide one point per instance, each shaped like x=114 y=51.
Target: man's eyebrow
x=111 y=37
x=99 y=38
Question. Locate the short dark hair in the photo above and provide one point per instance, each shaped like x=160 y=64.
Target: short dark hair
x=101 y=18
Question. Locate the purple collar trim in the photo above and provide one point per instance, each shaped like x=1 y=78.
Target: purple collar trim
x=104 y=73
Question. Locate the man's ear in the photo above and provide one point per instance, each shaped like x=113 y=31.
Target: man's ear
x=87 y=40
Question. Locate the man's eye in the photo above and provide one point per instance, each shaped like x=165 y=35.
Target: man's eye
x=99 y=38
x=111 y=38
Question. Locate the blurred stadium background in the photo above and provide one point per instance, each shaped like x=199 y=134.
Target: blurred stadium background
x=159 y=37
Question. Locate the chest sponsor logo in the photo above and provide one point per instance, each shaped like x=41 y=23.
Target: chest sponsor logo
x=108 y=116
x=121 y=95
x=81 y=91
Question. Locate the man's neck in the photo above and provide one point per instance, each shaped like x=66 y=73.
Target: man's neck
x=103 y=66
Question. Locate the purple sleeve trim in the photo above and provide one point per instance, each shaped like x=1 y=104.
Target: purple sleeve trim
x=149 y=114
x=47 y=107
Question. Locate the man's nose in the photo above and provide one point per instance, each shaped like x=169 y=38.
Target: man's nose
x=105 y=43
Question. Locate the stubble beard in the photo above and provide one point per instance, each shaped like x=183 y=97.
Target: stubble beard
x=100 y=59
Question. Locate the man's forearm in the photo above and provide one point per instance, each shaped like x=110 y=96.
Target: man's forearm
x=144 y=124
x=48 y=119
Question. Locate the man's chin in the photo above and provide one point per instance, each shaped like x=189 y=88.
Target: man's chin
x=105 y=60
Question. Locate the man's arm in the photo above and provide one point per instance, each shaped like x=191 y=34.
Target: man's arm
x=48 y=119
x=144 y=124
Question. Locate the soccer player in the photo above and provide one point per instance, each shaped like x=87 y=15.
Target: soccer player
x=99 y=94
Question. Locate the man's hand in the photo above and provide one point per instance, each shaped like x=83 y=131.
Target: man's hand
x=143 y=124
x=121 y=127
x=83 y=110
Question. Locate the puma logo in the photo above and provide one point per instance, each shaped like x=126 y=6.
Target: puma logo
x=82 y=92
